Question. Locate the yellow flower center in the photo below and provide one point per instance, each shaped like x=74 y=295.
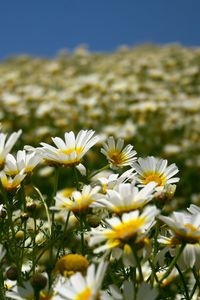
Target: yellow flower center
x=67 y=192
x=126 y=230
x=84 y=295
x=71 y=150
x=80 y=204
x=117 y=158
x=152 y=176
x=127 y=208
x=192 y=236
x=191 y=227
x=71 y=263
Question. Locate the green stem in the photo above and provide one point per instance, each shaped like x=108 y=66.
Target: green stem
x=82 y=235
x=193 y=290
x=137 y=263
x=76 y=178
x=2 y=289
x=9 y=212
x=34 y=244
x=64 y=232
x=46 y=208
x=184 y=283
x=22 y=251
x=98 y=171
x=173 y=262
x=23 y=197
x=196 y=276
x=153 y=275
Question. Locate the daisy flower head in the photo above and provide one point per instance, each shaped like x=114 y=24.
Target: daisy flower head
x=190 y=256
x=11 y=183
x=26 y=292
x=79 y=287
x=153 y=169
x=113 y=180
x=79 y=201
x=7 y=145
x=70 y=151
x=185 y=227
x=23 y=161
x=132 y=225
x=116 y=155
x=127 y=197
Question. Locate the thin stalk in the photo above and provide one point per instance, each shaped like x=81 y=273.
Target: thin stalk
x=2 y=289
x=23 y=247
x=46 y=208
x=9 y=212
x=64 y=232
x=76 y=178
x=193 y=290
x=82 y=235
x=52 y=204
x=137 y=263
x=173 y=262
x=99 y=170
x=196 y=276
x=23 y=196
x=34 y=244
x=153 y=275
x=184 y=283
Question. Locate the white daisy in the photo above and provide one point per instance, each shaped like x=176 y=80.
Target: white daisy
x=185 y=227
x=114 y=180
x=154 y=169
x=79 y=201
x=6 y=146
x=116 y=155
x=11 y=183
x=23 y=160
x=132 y=225
x=127 y=197
x=78 y=287
x=70 y=151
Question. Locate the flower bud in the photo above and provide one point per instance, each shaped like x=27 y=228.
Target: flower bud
x=38 y=281
x=12 y=273
x=19 y=235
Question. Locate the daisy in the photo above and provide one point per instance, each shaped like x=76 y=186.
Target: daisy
x=114 y=180
x=116 y=155
x=79 y=201
x=154 y=169
x=185 y=227
x=26 y=292
x=79 y=287
x=11 y=183
x=132 y=225
x=23 y=160
x=6 y=146
x=127 y=197
x=127 y=292
x=190 y=256
x=70 y=151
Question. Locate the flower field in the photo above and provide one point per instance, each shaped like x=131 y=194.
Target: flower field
x=99 y=175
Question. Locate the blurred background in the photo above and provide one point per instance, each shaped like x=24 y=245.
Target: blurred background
x=44 y=27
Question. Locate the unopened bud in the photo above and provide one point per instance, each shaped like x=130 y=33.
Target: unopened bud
x=24 y=216
x=38 y=281
x=12 y=273
x=19 y=235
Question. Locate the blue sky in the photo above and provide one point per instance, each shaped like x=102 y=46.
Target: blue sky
x=42 y=27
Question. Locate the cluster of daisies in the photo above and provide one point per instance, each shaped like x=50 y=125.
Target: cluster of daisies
x=109 y=236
